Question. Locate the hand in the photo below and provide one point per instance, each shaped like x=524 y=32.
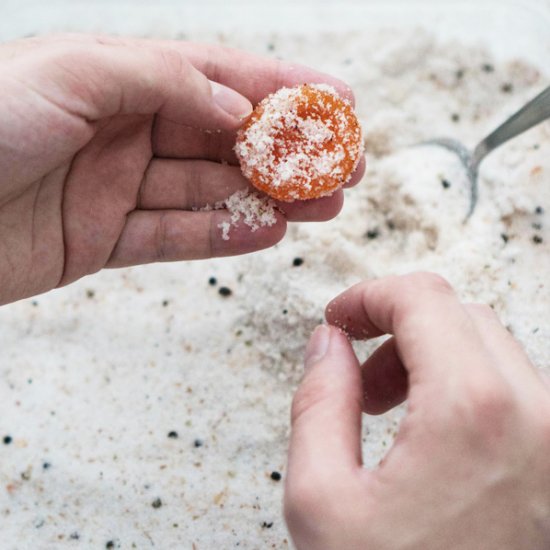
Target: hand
x=109 y=145
x=470 y=466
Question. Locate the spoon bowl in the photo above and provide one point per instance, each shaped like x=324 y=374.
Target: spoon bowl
x=531 y=114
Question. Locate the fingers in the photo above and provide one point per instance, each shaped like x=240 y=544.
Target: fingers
x=177 y=184
x=185 y=185
x=99 y=80
x=324 y=459
x=174 y=140
x=441 y=343
x=436 y=338
x=326 y=412
x=171 y=140
x=168 y=235
x=385 y=380
x=314 y=210
x=358 y=175
x=254 y=76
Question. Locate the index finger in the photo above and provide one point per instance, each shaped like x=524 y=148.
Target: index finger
x=252 y=75
x=435 y=337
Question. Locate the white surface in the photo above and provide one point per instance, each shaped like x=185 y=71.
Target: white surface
x=92 y=385
x=511 y=27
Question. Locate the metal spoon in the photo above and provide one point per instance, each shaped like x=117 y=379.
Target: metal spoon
x=535 y=112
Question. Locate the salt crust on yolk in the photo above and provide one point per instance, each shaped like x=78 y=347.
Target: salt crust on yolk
x=300 y=143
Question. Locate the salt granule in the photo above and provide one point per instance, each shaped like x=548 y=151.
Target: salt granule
x=255 y=211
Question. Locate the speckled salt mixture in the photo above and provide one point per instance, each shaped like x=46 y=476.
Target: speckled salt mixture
x=149 y=407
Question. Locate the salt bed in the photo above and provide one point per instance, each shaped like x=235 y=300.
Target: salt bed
x=97 y=376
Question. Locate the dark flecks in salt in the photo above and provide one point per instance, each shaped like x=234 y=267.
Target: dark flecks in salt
x=173 y=435
x=276 y=476
x=198 y=443
x=266 y=525
x=455 y=117
x=537 y=226
x=46 y=465
x=165 y=303
x=74 y=536
x=488 y=68
x=90 y=293
x=7 y=439
x=539 y=210
x=460 y=74
x=157 y=503
x=34 y=303
x=507 y=88
x=390 y=225
x=297 y=262
x=285 y=311
x=445 y=183
x=110 y=544
x=504 y=237
x=373 y=234
x=225 y=291
x=212 y=281
x=270 y=47
x=537 y=239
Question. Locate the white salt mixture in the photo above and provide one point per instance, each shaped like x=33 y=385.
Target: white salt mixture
x=248 y=207
x=148 y=407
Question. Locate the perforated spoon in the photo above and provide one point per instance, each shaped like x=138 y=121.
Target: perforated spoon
x=535 y=112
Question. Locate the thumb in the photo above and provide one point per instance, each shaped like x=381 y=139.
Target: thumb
x=326 y=411
x=99 y=80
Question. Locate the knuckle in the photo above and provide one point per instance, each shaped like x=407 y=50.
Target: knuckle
x=173 y=62
x=409 y=292
x=429 y=281
x=488 y=405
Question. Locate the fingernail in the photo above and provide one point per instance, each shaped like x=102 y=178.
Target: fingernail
x=230 y=101
x=317 y=346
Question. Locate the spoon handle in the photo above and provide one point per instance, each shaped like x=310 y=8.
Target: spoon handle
x=535 y=112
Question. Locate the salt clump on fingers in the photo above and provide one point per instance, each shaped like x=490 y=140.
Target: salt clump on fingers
x=300 y=143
